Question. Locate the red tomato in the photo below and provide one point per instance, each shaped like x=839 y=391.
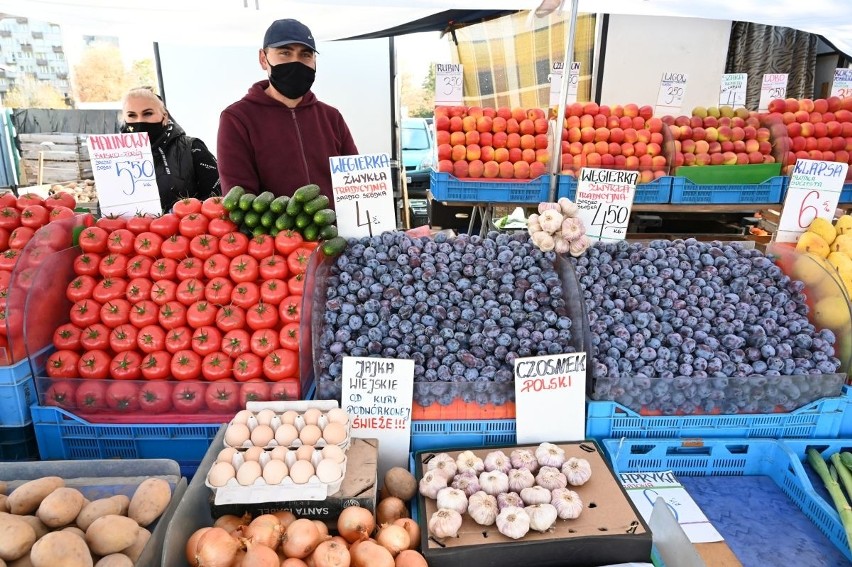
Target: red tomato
x=280 y=364
x=230 y=317
x=28 y=199
x=201 y=314
x=85 y=312
x=193 y=225
x=91 y=394
x=25 y=278
x=223 y=396
x=206 y=339
x=121 y=241
x=10 y=218
x=186 y=206
x=263 y=341
x=8 y=199
x=157 y=365
x=216 y=266
x=218 y=291
x=273 y=291
x=148 y=244
x=285 y=390
x=179 y=339
x=5 y=278
x=221 y=227
x=216 y=366
x=9 y=258
x=139 y=223
x=245 y=294
x=61 y=394
x=144 y=313
x=164 y=269
x=123 y=338
x=290 y=309
x=243 y=268
x=155 y=397
x=151 y=338
x=261 y=246
x=122 y=396
x=20 y=236
x=233 y=244
x=212 y=208
x=311 y=245
x=60 y=213
x=297 y=260
x=172 y=315
x=190 y=268
x=189 y=291
x=94 y=240
x=248 y=366
x=203 y=246
x=138 y=289
x=35 y=216
x=288 y=240
x=188 y=397
x=236 y=342
x=163 y=291
x=86 y=264
x=62 y=364
x=4 y=239
x=80 y=288
x=289 y=336
x=115 y=312
x=127 y=366
x=94 y=364
x=273 y=267
x=139 y=266
x=111 y=222
x=113 y=266
x=59 y=199
x=95 y=337
x=176 y=247
x=108 y=289
x=186 y=365
x=67 y=336
x=254 y=391
x=165 y=225
x=262 y=316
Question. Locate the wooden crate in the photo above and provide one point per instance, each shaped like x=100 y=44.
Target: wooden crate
x=65 y=157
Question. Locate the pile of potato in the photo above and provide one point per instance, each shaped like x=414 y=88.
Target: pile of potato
x=44 y=523
x=83 y=190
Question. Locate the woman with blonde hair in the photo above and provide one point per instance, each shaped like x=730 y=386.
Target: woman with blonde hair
x=183 y=165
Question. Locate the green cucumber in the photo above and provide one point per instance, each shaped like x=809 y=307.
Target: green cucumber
x=267 y=219
x=252 y=219
x=293 y=208
x=328 y=232
x=232 y=199
x=258 y=230
x=317 y=204
x=325 y=217
x=246 y=201
x=273 y=232
x=306 y=193
x=311 y=233
x=303 y=220
x=237 y=216
x=262 y=201
x=279 y=204
x=285 y=222
x=334 y=246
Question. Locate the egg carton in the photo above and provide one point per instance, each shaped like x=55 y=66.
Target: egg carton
x=287 y=490
x=299 y=424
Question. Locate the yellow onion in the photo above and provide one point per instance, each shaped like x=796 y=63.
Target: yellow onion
x=258 y=555
x=322 y=528
x=216 y=548
x=300 y=539
x=264 y=530
x=393 y=538
x=368 y=553
x=355 y=524
x=410 y=558
x=331 y=554
x=192 y=544
x=413 y=531
x=229 y=522
x=293 y=562
x=286 y=517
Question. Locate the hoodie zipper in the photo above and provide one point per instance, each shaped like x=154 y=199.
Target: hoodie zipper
x=301 y=146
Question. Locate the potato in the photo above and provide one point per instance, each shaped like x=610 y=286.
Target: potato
x=135 y=550
x=115 y=560
x=16 y=537
x=24 y=561
x=26 y=498
x=101 y=507
x=38 y=526
x=149 y=501
x=124 y=501
x=3 y=503
x=3 y=487
x=400 y=483
x=60 y=507
x=111 y=533
x=76 y=531
x=61 y=549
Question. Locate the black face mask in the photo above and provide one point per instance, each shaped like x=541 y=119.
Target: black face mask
x=154 y=129
x=292 y=79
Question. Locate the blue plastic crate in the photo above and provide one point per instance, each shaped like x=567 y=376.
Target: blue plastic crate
x=846 y=193
x=781 y=460
x=429 y=435
x=17 y=392
x=656 y=192
x=445 y=187
x=62 y=435
x=821 y=418
x=685 y=191
x=18 y=443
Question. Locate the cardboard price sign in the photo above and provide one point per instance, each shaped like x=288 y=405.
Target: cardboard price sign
x=555 y=77
x=448 y=83
x=672 y=91
x=733 y=89
x=123 y=167
x=377 y=394
x=814 y=190
x=841 y=86
x=774 y=86
x=363 y=194
x=550 y=398
x=604 y=199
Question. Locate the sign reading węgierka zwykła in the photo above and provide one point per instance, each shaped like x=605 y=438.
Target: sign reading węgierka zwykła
x=123 y=167
x=604 y=200
x=363 y=195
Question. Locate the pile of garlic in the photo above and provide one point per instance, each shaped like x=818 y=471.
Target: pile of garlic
x=289 y=429
x=557 y=227
x=525 y=490
x=280 y=466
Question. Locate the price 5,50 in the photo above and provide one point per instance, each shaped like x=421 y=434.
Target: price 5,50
x=134 y=170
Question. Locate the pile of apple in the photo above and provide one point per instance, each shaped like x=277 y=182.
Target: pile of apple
x=720 y=136
x=492 y=143
x=616 y=137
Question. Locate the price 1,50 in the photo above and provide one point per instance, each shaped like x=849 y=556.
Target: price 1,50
x=133 y=171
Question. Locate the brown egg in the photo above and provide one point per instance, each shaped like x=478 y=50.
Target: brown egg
x=264 y=416
x=248 y=472
x=310 y=434
x=253 y=453
x=262 y=435
x=312 y=416
x=236 y=434
x=305 y=452
x=337 y=415
x=279 y=453
x=301 y=472
x=242 y=417
x=334 y=453
x=220 y=474
x=225 y=455
x=334 y=433
x=289 y=417
x=286 y=434
x=328 y=471
x=274 y=472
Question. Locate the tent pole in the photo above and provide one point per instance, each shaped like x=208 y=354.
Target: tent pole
x=556 y=135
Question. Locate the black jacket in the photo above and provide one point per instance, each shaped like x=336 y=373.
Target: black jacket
x=184 y=167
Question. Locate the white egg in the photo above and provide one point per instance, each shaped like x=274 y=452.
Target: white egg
x=225 y=455
x=334 y=453
x=334 y=433
x=286 y=434
x=312 y=416
x=220 y=474
x=242 y=417
x=289 y=417
x=264 y=416
x=253 y=453
x=236 y=434
x=274 y=472
x=337 y=415
x=248 y=473
x=328 y=471
x=301 y=472
x=262 y=435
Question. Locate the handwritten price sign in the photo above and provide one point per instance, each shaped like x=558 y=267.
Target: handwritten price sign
x=448 y=83
x=123 y=167
x=841 y=86
x=363 y=194
x=774 y=86
x=604 y=199
x=733 y=89
x=672 y=91
x=555 y=77
x=555 y=386
x=813 y=192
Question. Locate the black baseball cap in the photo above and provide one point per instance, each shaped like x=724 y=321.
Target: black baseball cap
x=282 y=32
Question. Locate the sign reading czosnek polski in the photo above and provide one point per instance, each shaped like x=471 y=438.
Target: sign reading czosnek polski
x=555 y=386
x=123 y=167
x=363 y=194
x=604 y=199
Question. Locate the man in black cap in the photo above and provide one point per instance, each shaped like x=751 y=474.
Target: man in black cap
x=279 y=137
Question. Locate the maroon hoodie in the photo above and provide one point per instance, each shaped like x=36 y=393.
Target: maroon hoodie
x=265 y=146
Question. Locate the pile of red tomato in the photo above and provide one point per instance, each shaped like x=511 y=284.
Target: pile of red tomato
x=180 y=313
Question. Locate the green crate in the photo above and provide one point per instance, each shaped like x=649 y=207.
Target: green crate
x=729 y=174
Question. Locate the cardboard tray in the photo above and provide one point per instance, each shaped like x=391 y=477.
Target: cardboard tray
x=609 y=531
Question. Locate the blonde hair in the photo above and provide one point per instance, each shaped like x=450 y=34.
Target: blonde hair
x=146 y=93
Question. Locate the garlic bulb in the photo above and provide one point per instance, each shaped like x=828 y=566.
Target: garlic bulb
x=520 y=479
x=509 y=499
x=560 y=244
x=533 y=226
x=431 y=483
x=444 y=464
x=468 y=461
x=542 y=516
x=535 y=495
x=546 y=243
x=568 y=207
x=546 y=206
x=577 y=471
x=550 y=478
x=497 y=461
x=579 y=246
x=533 y=218
x=513 y=522
x=452 y=499
x=572 y=229
x=445 y=523
x=548 y=454
x=482 y=508
x=567 y=503
x=550 y=220
x=524 y=459
x=494 y=482
x=467 y=482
